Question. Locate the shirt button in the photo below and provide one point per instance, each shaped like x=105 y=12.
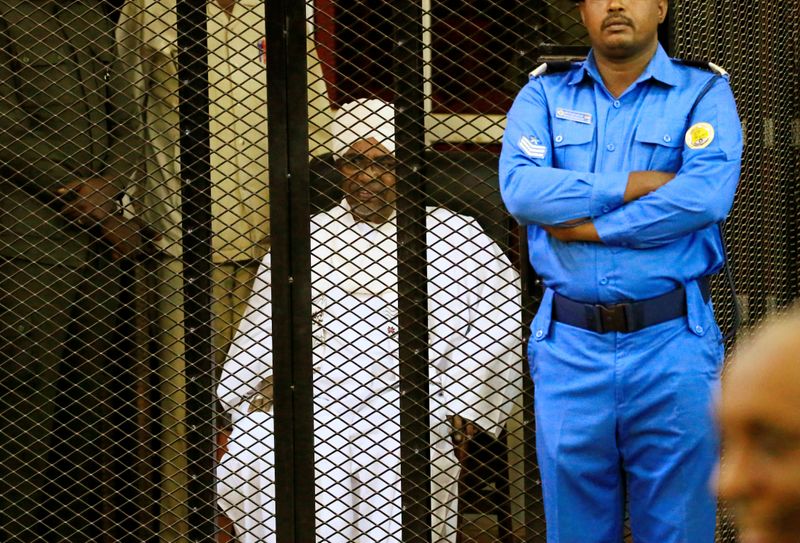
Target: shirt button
x=606 y=209
x=698 y=329
x=604 y=281
x=611 y=147
x=617 y=104
x=559 y=138
x=667 y=138
x=539 y=333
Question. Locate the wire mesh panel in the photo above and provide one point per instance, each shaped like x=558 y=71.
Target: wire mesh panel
x=257 y=280
x=363 y=492
x=761 y=50
x=757 y=44
x=70 y=384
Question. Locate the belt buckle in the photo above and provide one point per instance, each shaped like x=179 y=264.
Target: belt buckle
x=612 y=318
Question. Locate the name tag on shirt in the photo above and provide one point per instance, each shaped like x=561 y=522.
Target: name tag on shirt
x=575 y=116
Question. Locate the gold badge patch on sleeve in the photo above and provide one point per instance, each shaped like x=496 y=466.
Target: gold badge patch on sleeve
x=699 y=136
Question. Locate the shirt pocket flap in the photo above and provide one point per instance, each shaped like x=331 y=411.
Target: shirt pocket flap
x=667 y=134
x=540 y=327
x=106 y=56
x=571 y=133
x=46 y=58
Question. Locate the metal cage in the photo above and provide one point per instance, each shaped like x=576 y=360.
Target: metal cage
x=117 y=340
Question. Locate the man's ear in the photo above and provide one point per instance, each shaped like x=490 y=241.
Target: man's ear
x=663 y=9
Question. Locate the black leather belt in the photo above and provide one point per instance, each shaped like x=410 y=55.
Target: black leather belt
x=625 y=316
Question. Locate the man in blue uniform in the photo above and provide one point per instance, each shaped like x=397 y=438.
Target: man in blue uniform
x=622 y=167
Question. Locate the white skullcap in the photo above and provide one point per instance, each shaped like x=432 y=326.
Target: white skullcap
x=362 y=119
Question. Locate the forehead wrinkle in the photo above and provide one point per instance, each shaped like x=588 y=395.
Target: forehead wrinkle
x=773 y=348
x=763 y=380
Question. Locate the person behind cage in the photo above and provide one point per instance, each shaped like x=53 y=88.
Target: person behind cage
x=622 y=166
x=147 y=36
x=237 y=60
x=474 y=317
x=759 y=414
x=68 y=149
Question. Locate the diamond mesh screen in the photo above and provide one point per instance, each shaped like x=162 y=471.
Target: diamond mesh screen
x=757 y=44
x=140 y=294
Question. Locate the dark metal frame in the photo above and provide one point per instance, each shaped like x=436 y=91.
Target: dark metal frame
x=794 y=166
x=289 y=182
x=415 y=439
x=196 y=212
x=291 y=270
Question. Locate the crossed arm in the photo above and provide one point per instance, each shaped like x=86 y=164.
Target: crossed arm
x=639 y=184
x=636 y=209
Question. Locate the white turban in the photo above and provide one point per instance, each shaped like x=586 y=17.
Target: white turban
x=362 y=119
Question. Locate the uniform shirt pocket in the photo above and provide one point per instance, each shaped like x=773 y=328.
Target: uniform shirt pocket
x=659 y=145
x=573 y=145
x=48 y=75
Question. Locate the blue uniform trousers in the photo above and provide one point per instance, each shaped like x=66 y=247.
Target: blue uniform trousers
x=628 y=413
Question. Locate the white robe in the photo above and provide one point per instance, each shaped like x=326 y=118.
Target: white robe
x=475 y=356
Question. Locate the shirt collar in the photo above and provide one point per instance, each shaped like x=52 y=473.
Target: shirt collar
x=660 y=69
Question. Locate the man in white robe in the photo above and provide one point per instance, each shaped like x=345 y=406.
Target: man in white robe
x=475 y=354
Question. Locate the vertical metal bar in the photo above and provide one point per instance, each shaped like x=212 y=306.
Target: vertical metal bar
x=277 y=103
x=427 y=66
x=147 y=412
x=769 y=153
x=291 y=269
x=791 y=179
x=412 y=273
x=759 y=302
x=196 y=235
x=299 y=229
x=789 y=149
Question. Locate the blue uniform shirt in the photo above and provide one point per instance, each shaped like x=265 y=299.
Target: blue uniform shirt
x=568 y=148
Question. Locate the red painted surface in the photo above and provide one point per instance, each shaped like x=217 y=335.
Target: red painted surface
x=326 y=41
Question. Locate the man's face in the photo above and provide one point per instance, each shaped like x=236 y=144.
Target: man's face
x=620 y=29
x=760 y=422
x=369 y=182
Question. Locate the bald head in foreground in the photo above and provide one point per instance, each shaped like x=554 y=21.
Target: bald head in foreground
x=760 y=420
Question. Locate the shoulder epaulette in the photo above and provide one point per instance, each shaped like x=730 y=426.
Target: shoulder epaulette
x=552 y=67
x=704 y=65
